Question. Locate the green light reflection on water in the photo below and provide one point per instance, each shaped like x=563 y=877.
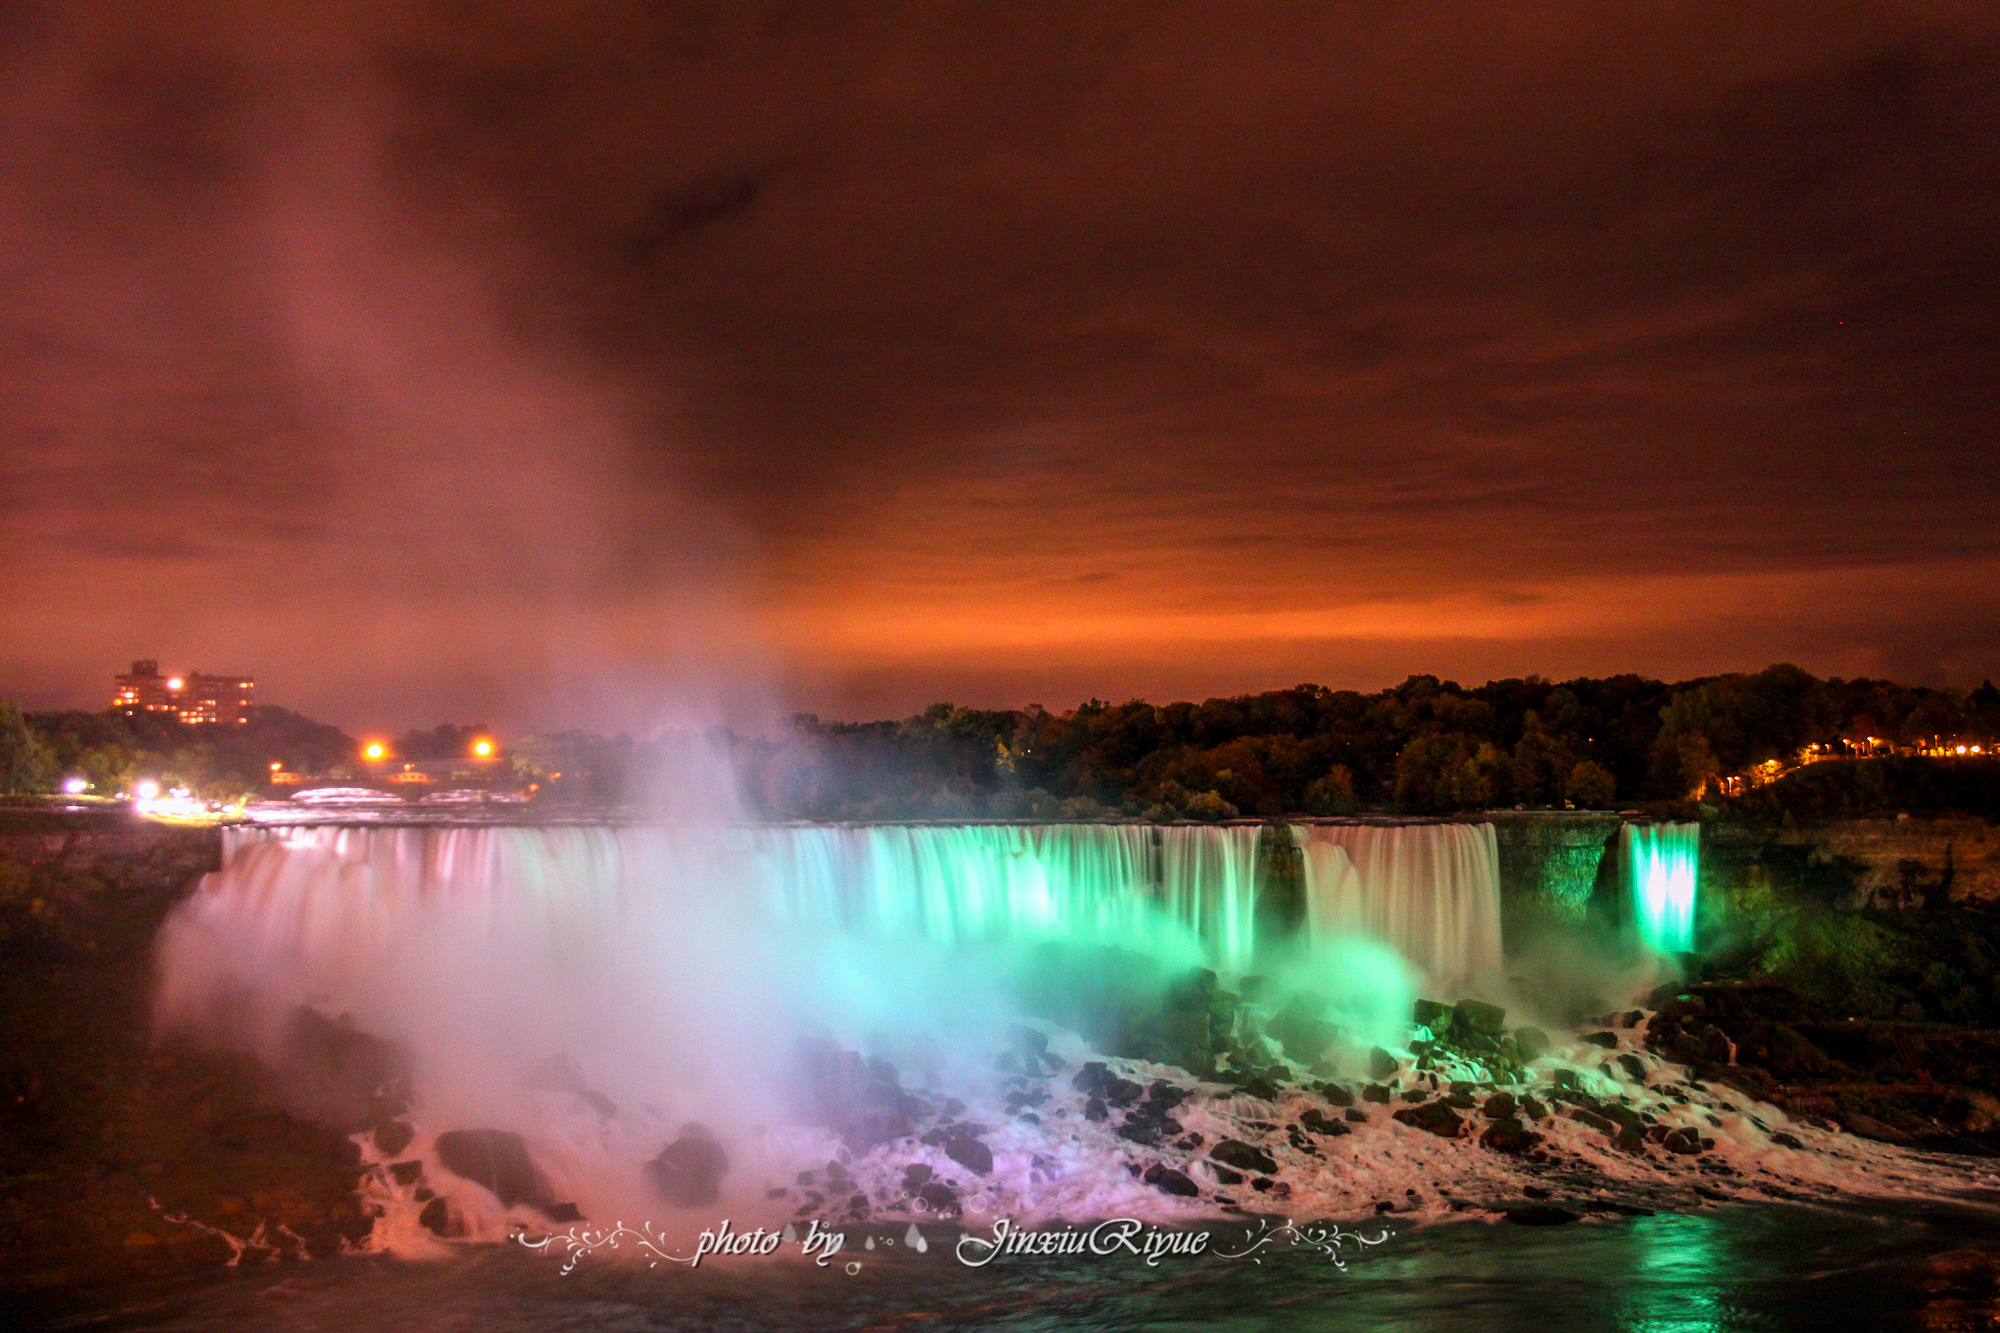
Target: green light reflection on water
x=1681 y=1280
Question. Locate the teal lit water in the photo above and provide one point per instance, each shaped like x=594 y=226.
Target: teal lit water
x=1753 y=1268
x=1662 y=866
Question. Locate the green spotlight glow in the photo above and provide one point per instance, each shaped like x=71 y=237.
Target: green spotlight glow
x=1662 y=864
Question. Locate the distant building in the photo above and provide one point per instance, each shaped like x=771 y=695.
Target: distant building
x=195 y=697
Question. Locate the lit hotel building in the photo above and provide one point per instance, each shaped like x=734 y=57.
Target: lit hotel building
x=195 y=697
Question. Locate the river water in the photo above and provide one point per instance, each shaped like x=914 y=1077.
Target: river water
x=1860 y=1265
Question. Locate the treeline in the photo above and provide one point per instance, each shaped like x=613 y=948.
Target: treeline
x=111 y=752
x=1426 y=746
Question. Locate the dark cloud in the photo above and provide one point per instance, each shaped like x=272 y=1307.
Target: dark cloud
x=991 y=349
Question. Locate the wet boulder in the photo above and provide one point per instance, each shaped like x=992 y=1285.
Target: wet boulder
x=1469 y=1016
x=499 y=1161
x=1531 y=1042
x=1431 y=1014
x=968 y=1151
x=1170 y=1181
x=1243 y=1156
x=688 y=1172
x=861 y=1100
x=1433 y=1118
x=1509 y=1135
x=1314 y=1120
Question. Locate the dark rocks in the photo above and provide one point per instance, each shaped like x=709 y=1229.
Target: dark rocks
x=1375 y=1092
x=1608 y=1040
x=688 y=1172
x=861 y=1100
x=1631 y=1139
x=1623 y=1116
x=1224 y=1175
x=1433 y=1118
x=497 y=1160
x=1243 y=1156
x=915 y=1177
x=1531 y=1042
x=969 y=1153
x=437 y=1217
x=938 y=1197
x=1138 y=1131
x=1354 y=1115
x=1431 y=1014
x=1031 y=1050
x=1634 y=1067
x=1608 y=1128
x=1509 y=1135
x=1682 y=1141
x=1170 y=1181
x=1688 y=1039
x=1381 y=1064
x=1532 y=1109
x=1868 y=1127
x=1478 y=1016
x=1095 y=1109
x=406 y=1173
x=392 y=1136
x=1336 y=1095
x=1501 y=1105
x=1097 y=1080
x=1315 y=1121
x=1540 y=1215
x=1260 y=1087
x=1784 y=1140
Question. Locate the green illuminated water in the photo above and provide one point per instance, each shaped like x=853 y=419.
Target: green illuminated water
x=1662 y=868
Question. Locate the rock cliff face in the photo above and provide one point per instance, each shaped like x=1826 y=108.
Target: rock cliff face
x=1557 y=868
x=1881 y=863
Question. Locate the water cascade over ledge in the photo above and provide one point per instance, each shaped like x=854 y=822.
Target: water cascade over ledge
x=598 y=988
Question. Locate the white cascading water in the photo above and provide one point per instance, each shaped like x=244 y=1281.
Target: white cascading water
x=673 y=970
x=1429 y=891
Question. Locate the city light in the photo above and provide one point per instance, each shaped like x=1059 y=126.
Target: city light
x=483 y=748
x=147 y=790
x=374 y=750
x=76 y=786
x=277 y=765
x=174 y=683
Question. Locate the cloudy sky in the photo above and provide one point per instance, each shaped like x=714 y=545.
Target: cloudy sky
x=538 y=362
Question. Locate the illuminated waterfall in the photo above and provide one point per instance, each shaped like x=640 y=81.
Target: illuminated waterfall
x=1429 y=891
x=672 y=971
x=1662 y=863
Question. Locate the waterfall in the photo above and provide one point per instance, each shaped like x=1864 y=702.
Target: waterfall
x=1429 y=891
x=1662 y=865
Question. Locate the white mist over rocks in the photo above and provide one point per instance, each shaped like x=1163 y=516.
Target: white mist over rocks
x=596 y=989
x=870 y=1025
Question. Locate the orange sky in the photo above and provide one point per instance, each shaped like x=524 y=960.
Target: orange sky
x=603 y=362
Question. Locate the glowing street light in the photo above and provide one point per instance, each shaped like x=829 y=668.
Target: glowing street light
x=76 y=786
x=483 y=748
x=174 y=683
x=374 y=750
x=147 y=790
